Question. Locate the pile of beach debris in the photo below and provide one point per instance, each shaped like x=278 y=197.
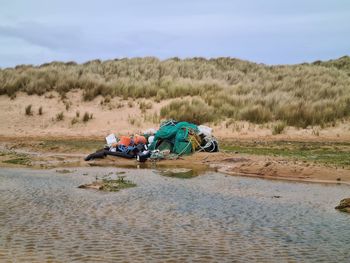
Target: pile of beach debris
x=170 y=141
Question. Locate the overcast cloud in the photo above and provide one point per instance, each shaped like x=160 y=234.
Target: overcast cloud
x=269 y=31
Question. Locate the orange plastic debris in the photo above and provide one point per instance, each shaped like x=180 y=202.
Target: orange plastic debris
x=125 y=140
x=140 y=139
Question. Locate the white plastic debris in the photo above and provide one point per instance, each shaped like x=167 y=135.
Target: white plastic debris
x=150 y=131
x=110 y=139
x=150 y=139
x=205 y=130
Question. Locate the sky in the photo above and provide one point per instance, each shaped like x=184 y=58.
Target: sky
x=262 y=31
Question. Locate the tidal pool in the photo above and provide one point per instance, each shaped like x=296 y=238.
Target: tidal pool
x=213 y=217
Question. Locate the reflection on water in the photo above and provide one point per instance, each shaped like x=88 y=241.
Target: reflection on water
x=183 y=173
x=44 y=217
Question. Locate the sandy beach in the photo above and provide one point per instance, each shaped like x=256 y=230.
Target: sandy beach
x=29 y=135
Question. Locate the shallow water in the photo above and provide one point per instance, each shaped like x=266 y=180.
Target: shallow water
x=44 y=217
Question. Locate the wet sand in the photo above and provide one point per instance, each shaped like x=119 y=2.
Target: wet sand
x=212 y=217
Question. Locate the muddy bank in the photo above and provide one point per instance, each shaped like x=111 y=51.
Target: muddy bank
x=59 y=152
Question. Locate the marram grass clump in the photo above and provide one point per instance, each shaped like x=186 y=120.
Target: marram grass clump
x=278 y=128
x=87 y=116
x=28 y=110
x=195 y=111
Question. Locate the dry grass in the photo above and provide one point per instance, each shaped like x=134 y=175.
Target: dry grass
x=60 y=116
x=278 y=128
x=74 y=120
x=144 y=106
x=130 y=104
x=134 y=121
x=299 y=95
x=87 y=116
x=40 y=110
x=195 y=110
x=67 y=104
x=28 y=110
x=152 y=117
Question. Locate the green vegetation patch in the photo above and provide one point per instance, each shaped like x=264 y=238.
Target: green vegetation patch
x=327 y=153
x=109 y=185
x=19 y=159
x=114 y=185
x=74 y=145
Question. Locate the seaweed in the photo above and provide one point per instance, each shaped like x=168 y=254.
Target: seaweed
x=110 y=185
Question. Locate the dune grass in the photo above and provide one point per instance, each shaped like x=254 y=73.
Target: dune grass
x=28 y=110
x=87 y=116
x=60 y=116
x=40 y=110
x=299 y=95
x=195 y=110
x=278 y=128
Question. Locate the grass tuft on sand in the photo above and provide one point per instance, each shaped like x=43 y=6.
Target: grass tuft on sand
x=325 y=153
x=18 y=159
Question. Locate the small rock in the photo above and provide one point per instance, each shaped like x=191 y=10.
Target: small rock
x=344 y=205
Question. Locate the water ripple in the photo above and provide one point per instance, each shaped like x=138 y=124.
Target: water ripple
x=44 y=217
